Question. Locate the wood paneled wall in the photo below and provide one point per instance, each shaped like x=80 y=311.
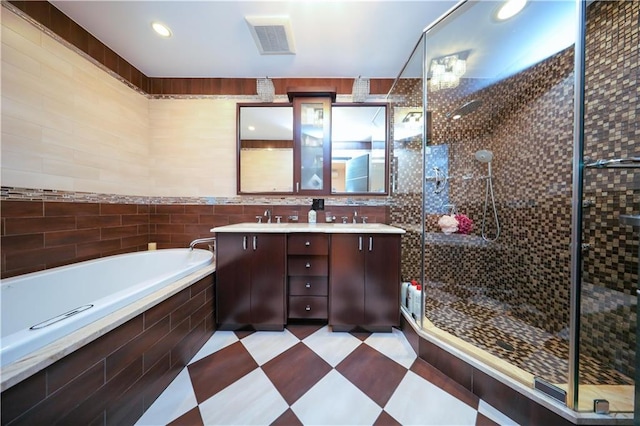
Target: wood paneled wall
x=38 y=235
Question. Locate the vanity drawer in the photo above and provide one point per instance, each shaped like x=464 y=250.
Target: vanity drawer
x=308 y=307
x=317 y=244
x=308 y=265
x=308 y=286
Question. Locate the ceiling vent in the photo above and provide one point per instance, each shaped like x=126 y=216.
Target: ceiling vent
x=272 y=34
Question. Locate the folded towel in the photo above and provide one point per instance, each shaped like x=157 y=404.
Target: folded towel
x=448 y=224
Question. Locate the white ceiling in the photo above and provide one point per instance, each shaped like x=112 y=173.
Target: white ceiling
x=212 y=39
x=333 y=39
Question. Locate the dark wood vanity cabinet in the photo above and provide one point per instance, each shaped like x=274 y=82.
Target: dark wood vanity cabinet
x=308 y=270
x=364 y=280
x=250 y=280
x=349 y=278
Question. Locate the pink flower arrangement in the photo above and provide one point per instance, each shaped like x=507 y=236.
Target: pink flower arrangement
x=465 y=225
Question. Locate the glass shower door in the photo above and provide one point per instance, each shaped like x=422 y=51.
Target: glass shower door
x=610 y=208
x=499 y=162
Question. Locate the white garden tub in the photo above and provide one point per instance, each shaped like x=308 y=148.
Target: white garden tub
x=42 y=307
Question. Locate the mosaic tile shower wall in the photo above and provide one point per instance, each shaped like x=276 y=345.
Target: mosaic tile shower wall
x=612 y=130
x=407 y=174
x=533 y=198
x=527 y=121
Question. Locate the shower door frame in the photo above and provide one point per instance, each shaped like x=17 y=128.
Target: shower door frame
x=576 y=197
x=576 y=204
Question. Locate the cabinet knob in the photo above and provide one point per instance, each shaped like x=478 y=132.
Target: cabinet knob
x=307 y=243
x=308 y=285
x=308 y=308
x=308 y=265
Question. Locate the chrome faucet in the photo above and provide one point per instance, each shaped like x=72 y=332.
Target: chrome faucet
x=355 y=216
x=267 y=213
x=204 y=240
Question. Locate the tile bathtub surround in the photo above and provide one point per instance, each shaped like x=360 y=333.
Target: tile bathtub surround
x=38 y=235
x=47 y=230
x=113 y=379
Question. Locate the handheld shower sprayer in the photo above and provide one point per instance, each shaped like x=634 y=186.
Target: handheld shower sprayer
x=485 y=156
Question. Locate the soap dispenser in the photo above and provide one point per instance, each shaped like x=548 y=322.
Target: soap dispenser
x=312 y=216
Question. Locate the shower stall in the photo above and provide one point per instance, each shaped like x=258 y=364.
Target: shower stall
x=529 y=149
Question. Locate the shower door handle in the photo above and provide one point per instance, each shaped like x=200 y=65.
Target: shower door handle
x=617 y=163
x=629 y=219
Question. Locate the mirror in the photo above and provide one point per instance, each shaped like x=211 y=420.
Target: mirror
x=359 y=151
x=265 y=149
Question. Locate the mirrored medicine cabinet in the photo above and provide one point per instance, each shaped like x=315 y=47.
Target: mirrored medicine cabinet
x=313 y=146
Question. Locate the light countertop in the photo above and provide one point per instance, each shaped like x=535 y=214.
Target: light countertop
x=323 y=228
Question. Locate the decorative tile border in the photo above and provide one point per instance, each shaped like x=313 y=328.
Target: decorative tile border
x=9 y=193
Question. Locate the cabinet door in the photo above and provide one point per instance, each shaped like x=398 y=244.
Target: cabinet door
x=382 y=279
x=312 y=137
x=346 y=280
x=268 y=279
x=233 y=279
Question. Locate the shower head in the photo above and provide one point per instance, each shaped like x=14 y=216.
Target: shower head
x=484 y=156
x=465 y=109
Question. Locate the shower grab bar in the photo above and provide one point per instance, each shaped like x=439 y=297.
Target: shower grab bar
x=455 y=177
x=616 y=163
x=60 y=317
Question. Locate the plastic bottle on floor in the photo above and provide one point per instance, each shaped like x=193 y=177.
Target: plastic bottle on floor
x=417 y=308
x=408 y=305
x=404 y=288
x=411 y=301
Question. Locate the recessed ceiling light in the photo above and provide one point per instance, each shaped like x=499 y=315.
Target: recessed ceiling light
x=161 y=29
x=509 y=9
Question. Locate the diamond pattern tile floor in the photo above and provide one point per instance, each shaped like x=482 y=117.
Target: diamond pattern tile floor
x=309 y=375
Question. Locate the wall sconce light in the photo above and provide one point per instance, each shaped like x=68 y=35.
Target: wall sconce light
x=446 y=72
x=360 y=89
x=266 y=90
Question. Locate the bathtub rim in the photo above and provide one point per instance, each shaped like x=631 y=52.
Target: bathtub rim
x=23 y=368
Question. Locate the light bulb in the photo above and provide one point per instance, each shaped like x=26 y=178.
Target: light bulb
x=161 y=29
x=510 y=9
